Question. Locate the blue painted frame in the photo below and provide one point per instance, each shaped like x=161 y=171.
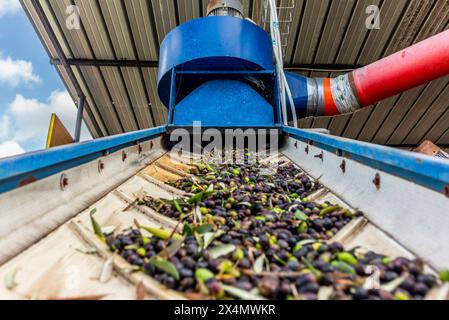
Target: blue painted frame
x=41 y=164
x=424 y=170
x=173 y=94
x=427 y=171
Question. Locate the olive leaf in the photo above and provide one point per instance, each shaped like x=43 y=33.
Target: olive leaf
x=204 y=228
x=173 y=249
x=394 y=284
x=187 y=230
x=197 y=214
x=222 y=250
x=10 y=279
x=165 y=266
x=96 y=226
x=309 y=266
x=301 y=215
x=161 y=233
x=329 y=210
x=259 y=264
x=177 y=206
x=241 y=294
x=343 y=267
x=211 y=236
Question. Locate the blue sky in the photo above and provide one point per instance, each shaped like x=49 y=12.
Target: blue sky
x=30 y=88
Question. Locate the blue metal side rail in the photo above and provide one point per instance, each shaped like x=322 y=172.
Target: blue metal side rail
x=424 y=170
x=20 y=170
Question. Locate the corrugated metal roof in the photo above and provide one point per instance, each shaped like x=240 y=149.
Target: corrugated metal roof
x=318 y=34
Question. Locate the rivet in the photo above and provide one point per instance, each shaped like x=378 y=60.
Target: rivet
x=63 y=182
x=376 y=181
x=100 y=166
x=343 y=166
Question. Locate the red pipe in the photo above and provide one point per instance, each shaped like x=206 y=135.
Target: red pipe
x=406 y=69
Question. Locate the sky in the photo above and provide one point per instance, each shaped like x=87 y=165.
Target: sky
x=30 y=87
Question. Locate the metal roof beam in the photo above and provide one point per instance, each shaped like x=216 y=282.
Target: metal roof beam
x=155 y=64
x=107 y=63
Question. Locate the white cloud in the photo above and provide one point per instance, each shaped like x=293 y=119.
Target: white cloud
x=26 y=120
x=9 y=6
x=10 y=148
x=5 y=127
x=15 y=72
x=32 y=117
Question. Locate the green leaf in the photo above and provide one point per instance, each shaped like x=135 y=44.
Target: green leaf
x=242 y=294
x=96 y=226
x=204 y=228
x=162 y=233
x=199 y=197
x=208 y=237
x=165 y=266
x=309 y=266
x=301 y=215
x=203 y=274
x=173 y=249
x=187 y=230
x=347 y=257
x=343 y=267
x=329 y=210
x=177 y=206
x=222 y=250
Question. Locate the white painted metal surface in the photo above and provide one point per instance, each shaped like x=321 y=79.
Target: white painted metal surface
x=29 y=213
x=416 y=217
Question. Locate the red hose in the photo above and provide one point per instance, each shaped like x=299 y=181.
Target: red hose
x=406 y=69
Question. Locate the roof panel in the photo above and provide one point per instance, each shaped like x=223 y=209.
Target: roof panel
x=320 y=32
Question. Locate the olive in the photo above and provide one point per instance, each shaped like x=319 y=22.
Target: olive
x=305 y=279
x=335 y=247
x=187 y=283
x=428 y=280
x=420 y=289
x=185 y=272
x=309 y=288
x=389 y=276
x=360 y=294
x=160 y=245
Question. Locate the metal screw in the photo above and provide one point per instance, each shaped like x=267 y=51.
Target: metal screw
x=343 y=166
x=139 y=148
x=307 y=149
x=376 y=181
x=320 y=156
x=63 y=182
x=151 y=145
x=124 y=156
x=296 y=144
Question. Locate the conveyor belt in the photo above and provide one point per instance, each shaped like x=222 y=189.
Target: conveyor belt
x=71 y=261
